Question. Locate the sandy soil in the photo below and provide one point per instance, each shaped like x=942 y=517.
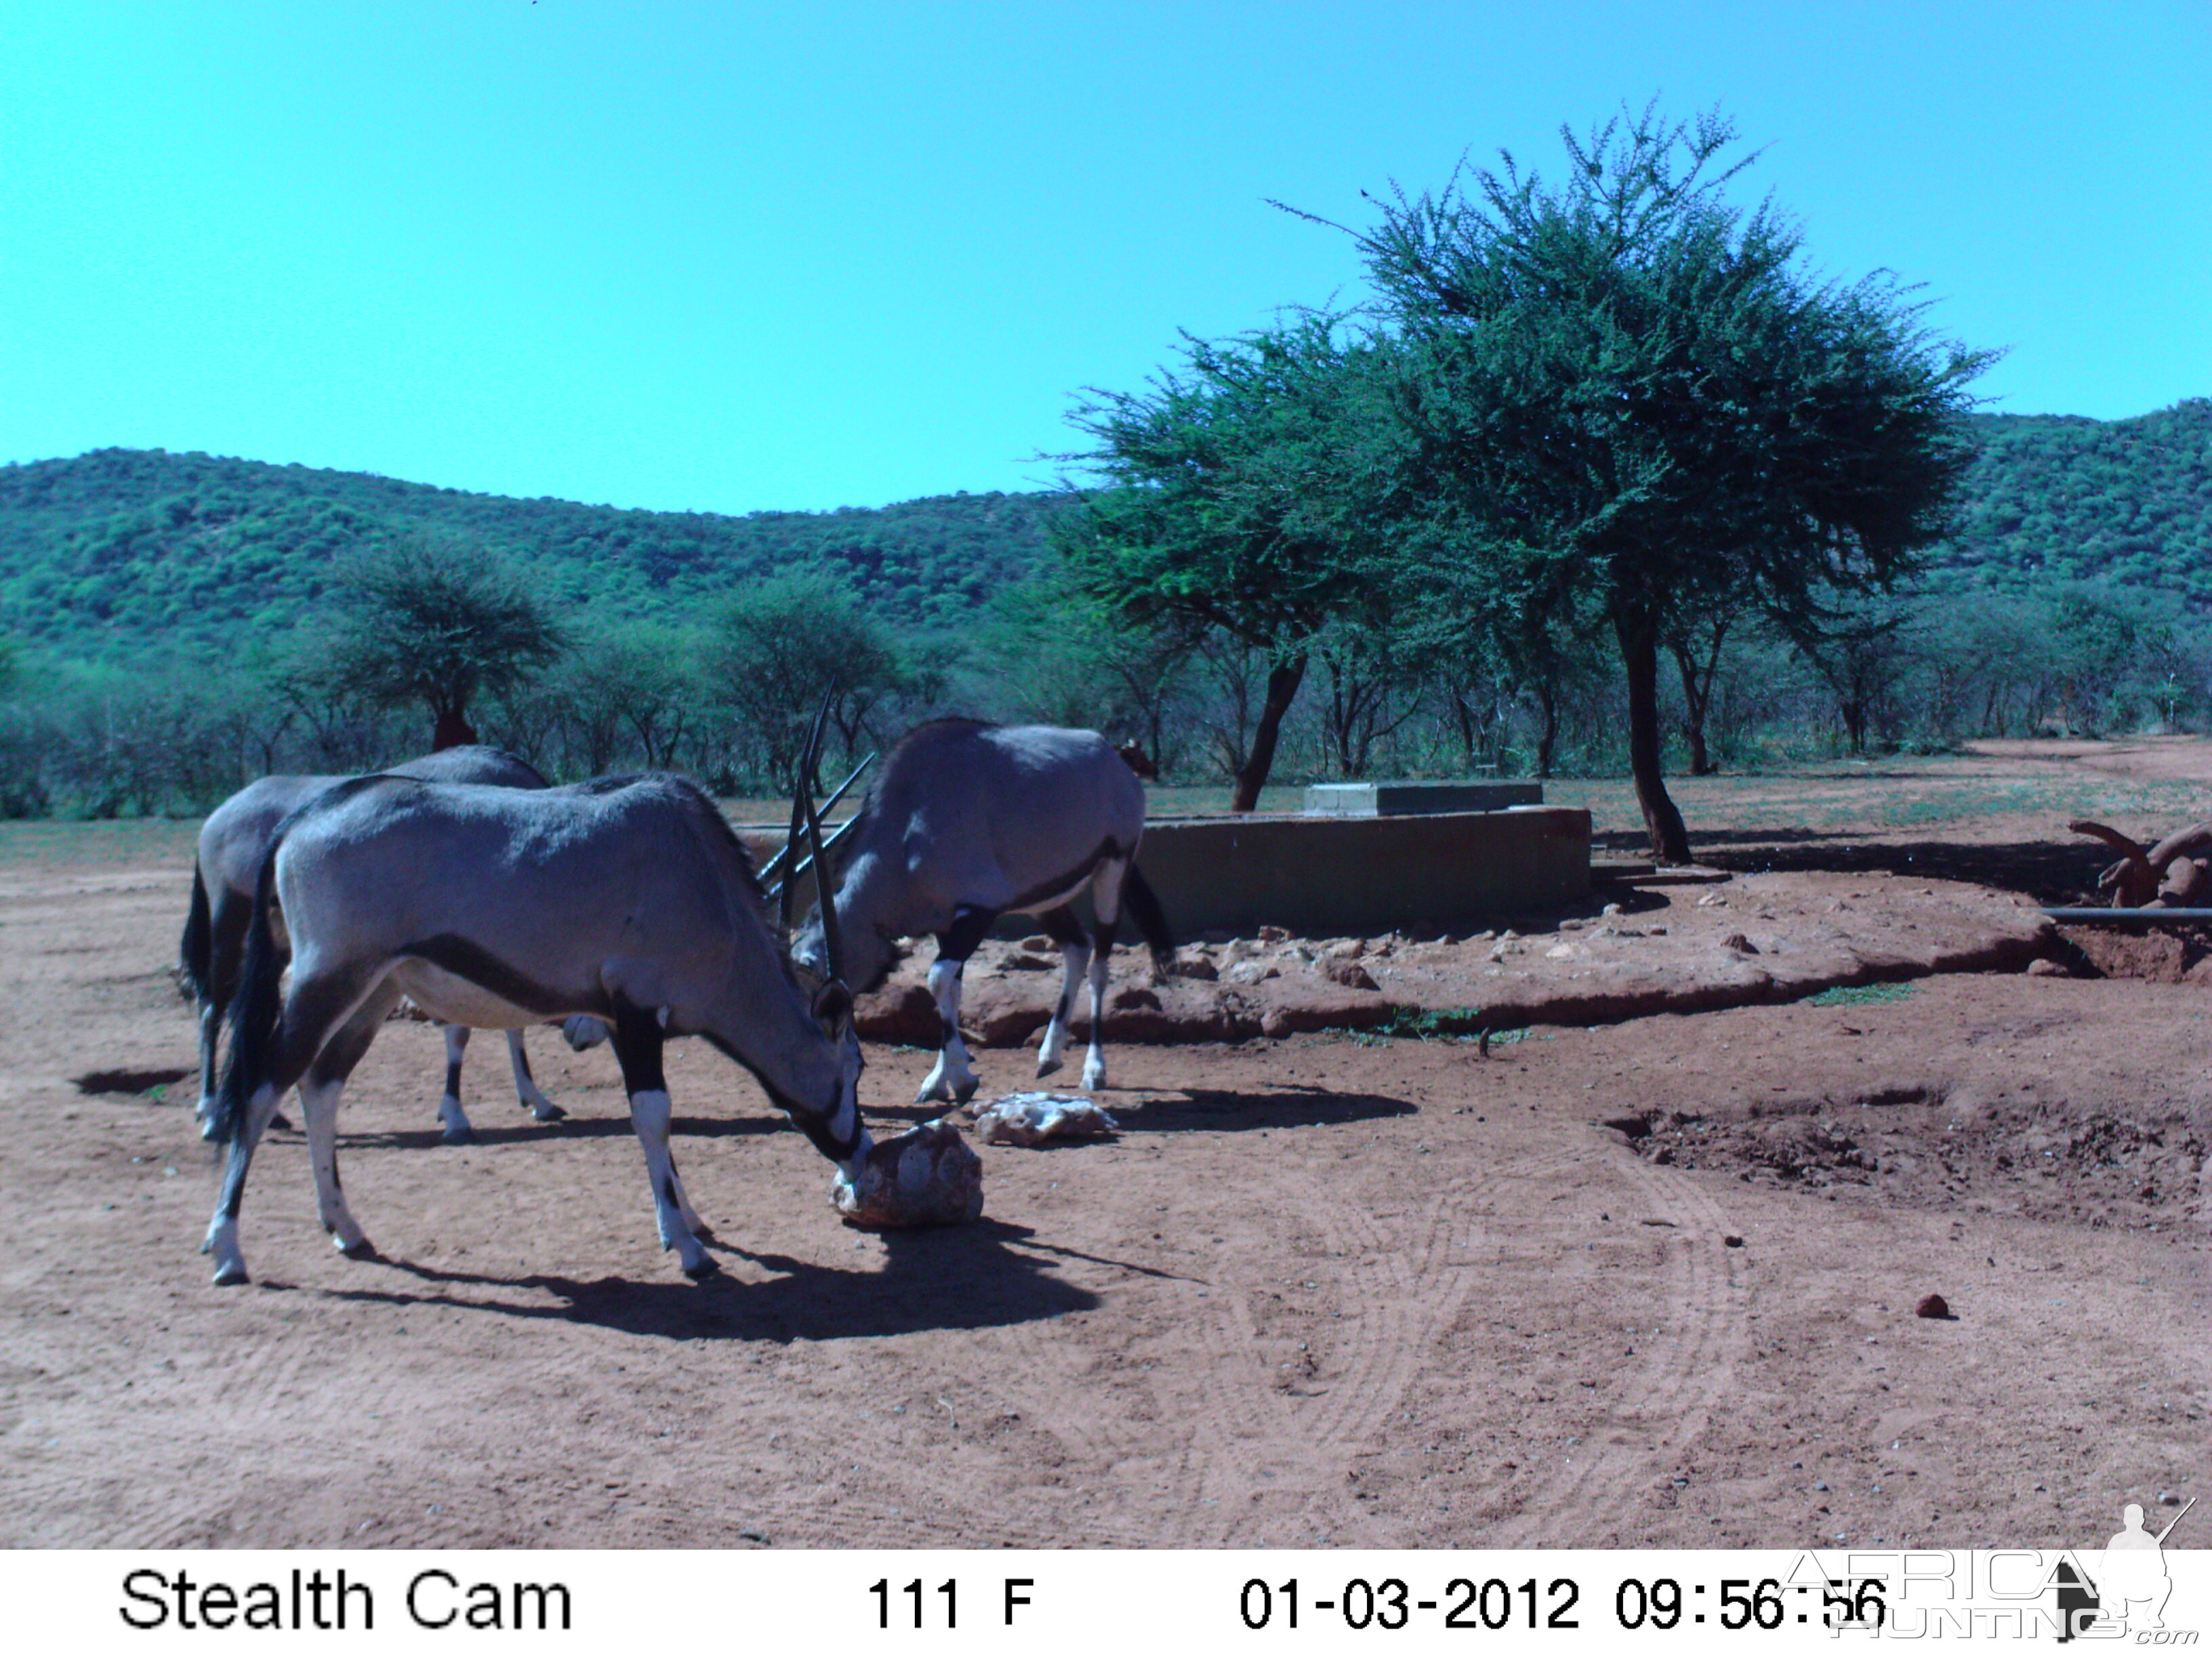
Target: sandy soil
x=1645 y=1280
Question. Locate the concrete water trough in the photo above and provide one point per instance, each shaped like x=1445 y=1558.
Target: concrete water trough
x=1392 y=800
x=1332 y=873
x=1324 y=875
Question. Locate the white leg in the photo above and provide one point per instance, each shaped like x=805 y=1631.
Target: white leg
x=459 y=1131
x=210 y=1034
x=318 y=1105
x=1094 y=1063
x=1106 y=899
x=222 y=1241
x=649 y=1115
x=952 y=1077
x=1075 y=958
x=525 y=1086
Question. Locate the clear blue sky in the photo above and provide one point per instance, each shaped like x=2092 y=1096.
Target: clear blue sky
x=730 y=257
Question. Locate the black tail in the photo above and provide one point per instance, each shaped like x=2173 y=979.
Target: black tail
x=253 y=1010
x=196 y=951
x=1144 y=905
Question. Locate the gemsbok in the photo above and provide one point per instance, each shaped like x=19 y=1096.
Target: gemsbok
x=967 y=822
x=233 y=844
x=628 y=899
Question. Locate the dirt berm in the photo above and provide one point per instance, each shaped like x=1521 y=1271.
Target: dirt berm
x=1677 y=949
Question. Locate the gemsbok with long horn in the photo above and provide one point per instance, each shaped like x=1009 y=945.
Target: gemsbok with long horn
x=628 y=899
x=234 y=842
x=967 y=822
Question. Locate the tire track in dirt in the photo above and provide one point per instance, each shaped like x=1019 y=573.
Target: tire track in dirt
x=1270 y=1460
x=1686 y=1357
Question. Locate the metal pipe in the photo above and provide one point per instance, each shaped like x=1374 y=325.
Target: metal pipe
x=2099 y=916
x=768 y=870
x=775 y=891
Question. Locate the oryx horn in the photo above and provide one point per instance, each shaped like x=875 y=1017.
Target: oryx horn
x=801 y=803
x=833 y=944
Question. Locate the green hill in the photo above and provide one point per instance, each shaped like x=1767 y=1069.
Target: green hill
x=2065 y=498
x=103 y=553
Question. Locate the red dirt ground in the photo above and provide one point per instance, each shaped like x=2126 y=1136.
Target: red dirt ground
x=1650 y=1280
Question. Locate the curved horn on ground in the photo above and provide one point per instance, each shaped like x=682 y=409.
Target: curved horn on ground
x=2111 y=838
x=2192 y=842
x=2133 y=882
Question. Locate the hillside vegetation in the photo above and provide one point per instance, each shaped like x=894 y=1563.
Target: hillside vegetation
x=101 y=554
x=105 y=553
x=2063 y=497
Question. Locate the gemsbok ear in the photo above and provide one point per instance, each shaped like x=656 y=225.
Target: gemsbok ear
x=833 y=1007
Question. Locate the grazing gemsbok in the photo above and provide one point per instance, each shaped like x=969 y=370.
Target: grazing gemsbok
x=968 y=821
x=234 y=842
x=625 y=898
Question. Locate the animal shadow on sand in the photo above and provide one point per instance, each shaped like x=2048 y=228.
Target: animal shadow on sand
x=1287 y=1106
x=572 y=1128
x=964 y=1278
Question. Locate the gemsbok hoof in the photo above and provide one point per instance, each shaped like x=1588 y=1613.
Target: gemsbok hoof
x=360 y=1250
x=705 y=1270
x=966 y=1091
x=1047 y=1067
x=458 y=1137
x=232 y=1273
x=551 y=1114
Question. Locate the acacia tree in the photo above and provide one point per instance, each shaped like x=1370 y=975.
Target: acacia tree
x=777 y=648
x=1623 y=394
x=1245 y=497
x=1048 y=652
x=434 y=622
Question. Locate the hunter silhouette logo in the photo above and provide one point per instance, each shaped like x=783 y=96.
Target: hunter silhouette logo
x=2132 y=1585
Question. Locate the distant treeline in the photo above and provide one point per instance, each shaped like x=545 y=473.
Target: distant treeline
x=106 y=554
x=160 y=634
x=101 y=555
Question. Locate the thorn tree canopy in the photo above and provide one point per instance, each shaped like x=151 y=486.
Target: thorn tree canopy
x=435 y=622
x=1623 y=396
x=1245 y=496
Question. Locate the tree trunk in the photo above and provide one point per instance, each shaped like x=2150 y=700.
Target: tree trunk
x=1547 y=738
x=1283 y=681
x=1698 y=696
x=1639 y=656
x=453 y=730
